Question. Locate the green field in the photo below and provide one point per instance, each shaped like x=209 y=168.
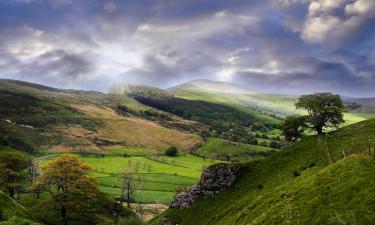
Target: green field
x=218 y=148
x=161 y=177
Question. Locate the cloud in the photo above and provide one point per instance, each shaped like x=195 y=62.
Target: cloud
x=109 y=7
x=337 y=20
x=301 y=45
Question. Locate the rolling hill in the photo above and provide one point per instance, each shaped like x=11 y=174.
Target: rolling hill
x=320 y=180
x=272 y=107
x=34 y=117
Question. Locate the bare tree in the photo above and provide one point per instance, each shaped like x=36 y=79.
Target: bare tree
x=127 y=189
x=140 y=203
x=35 y=172
x=149 y=166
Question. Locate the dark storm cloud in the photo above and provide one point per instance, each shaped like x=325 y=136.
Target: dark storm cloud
x=303 y=45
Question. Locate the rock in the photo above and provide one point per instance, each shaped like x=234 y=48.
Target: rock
x=213 y=180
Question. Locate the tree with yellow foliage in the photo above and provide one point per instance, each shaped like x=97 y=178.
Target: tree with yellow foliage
x=72 y=192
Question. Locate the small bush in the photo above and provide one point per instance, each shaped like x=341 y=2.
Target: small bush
x=275 y=144
x=171 y=151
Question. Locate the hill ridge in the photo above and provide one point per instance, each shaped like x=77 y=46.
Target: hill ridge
x=213 y=85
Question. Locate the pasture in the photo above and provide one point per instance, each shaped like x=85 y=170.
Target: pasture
x=156 y=178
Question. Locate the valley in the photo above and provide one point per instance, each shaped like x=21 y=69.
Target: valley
x=126 y=137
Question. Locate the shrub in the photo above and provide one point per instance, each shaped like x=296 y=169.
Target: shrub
x=275 y=144
x=253 y=141
x=171 y=151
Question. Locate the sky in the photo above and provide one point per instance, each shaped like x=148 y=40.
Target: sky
x=278 y=46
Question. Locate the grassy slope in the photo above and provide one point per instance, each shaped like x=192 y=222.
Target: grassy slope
x=12 y=213
x=268 y=192
x=35 y=116
x=215 y=147
x=263 y=104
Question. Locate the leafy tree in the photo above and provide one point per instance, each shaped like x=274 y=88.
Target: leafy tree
x=171 y=151
x=324 y=110
x=12 y=170
x=72 y=192
x=292 y=128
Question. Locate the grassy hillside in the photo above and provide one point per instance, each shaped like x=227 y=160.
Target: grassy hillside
x=223 y=121
x=39 y=117
x=222 y=149
x=310 y=182
x=271 y=107
x=12 y=213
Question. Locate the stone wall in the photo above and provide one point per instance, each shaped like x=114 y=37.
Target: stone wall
x=213 y=180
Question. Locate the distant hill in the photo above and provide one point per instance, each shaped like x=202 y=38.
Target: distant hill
x=272 y=107
x=311 y=182
x=35 y=117
x=222 y=120
x=213 y=86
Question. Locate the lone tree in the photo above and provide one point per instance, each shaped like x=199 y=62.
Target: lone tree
x=292 y=128
x=324 y=110
x=72 y=192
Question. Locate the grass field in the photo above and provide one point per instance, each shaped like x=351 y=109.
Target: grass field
x=218 y=148
x=157 y=178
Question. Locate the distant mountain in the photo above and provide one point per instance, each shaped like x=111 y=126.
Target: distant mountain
x=213 y=86
x=271 y=107
x=364 y=101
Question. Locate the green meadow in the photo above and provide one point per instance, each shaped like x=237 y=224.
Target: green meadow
x=217 y=148
x=156 y=177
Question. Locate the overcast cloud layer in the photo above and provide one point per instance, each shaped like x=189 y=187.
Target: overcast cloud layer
x=282 y=46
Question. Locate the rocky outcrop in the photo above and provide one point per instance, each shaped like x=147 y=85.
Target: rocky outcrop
x=213 y=180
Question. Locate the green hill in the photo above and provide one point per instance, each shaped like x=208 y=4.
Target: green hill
x=223 y=120
x=310 y=182
x=271 y=107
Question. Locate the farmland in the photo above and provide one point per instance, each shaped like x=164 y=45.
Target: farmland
x=156 y=177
